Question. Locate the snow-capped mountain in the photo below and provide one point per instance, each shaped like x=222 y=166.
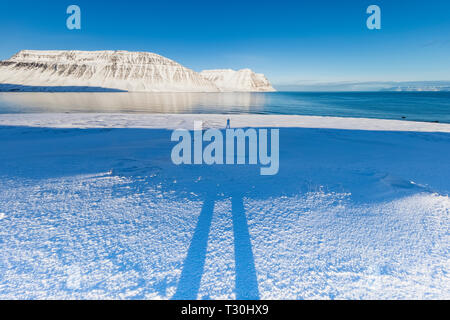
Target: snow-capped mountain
x=241 y=80
x=121 y=70
x=32 y=70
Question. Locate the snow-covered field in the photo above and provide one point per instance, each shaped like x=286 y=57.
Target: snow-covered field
x=91 y=206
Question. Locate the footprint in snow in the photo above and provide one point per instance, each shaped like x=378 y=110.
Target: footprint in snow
x=400 y=183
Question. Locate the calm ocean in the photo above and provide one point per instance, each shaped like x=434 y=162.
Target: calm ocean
x=413 y=106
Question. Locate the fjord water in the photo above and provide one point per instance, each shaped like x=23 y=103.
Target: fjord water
x=413 y=106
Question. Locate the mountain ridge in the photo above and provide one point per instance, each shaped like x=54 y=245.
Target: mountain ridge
x=240 y=80
x=76 y=70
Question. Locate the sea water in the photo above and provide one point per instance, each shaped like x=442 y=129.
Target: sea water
x=413 y=106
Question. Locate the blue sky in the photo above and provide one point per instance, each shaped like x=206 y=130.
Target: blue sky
x=290 y=41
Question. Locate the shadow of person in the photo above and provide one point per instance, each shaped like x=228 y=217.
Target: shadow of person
x=189 y=283
x=246 y=286
x=246 y=281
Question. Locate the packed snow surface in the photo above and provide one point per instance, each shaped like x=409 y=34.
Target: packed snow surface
x=186 y=121
x=34 y=70
x=91 y=206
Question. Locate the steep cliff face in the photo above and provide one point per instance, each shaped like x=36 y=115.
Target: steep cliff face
x=242 y=80
x=121 y=70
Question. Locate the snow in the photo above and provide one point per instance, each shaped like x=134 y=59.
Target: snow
x=186 y=121
x=121 y=70
x=242 y=80
x=91 y=71
x=93 y=208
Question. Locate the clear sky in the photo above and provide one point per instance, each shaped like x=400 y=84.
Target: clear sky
x=289 y=41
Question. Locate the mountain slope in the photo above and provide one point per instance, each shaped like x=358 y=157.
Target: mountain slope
x=241 y=80
x=121 y=70
x=33 y=70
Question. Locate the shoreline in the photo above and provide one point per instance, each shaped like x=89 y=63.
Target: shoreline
x=186 y=121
